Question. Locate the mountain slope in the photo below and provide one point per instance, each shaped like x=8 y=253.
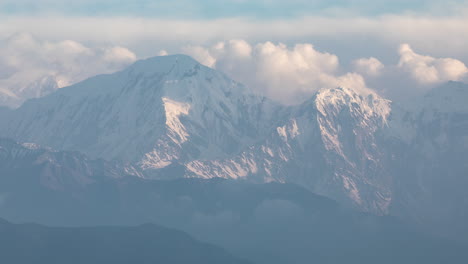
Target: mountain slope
x=29 y=243
x=54 y=169
x=265 y=223
x=36 y=178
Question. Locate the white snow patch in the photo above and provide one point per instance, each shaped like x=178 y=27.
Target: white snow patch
x=288 y=131
x=282 y=133
x=268 y=151
x=173 y=110
x=31 y=146
x=351 y=186
x=161 y=156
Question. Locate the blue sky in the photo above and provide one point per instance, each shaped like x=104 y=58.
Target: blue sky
x=373 y=27
x=212 y=9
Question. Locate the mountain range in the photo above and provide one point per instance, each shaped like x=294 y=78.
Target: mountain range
x=31 y=243
x=170 y=117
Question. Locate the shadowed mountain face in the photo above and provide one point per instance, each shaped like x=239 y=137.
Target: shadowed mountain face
x=170 y=117
x=36 y=244
x=264 y=223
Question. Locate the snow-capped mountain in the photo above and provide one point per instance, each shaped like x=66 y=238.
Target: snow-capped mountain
x=18 y=93
x=171 y=112
x=327 y=144
x=155 y=112
x=172 y=117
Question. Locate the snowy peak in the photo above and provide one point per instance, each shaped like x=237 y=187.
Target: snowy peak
x=330 y=102
x=172 y=65
x=25 y=89
x=327 y=144
x=155 y=112
x=182 y=78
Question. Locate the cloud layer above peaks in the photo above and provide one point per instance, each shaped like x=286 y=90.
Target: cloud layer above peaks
x=286 y=74
x=426 y=69
x=68 y=60
x=27 y=64
x=290 y=74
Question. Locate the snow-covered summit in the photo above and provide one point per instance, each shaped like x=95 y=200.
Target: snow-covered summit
x=155 y=112
x=171 y=65
x=180 y=76
x=331 y=101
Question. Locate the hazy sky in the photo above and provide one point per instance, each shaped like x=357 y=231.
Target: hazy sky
x=311 y=44
x=210 y=9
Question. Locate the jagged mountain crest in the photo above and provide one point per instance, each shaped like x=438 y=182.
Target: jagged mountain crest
x=328 y=144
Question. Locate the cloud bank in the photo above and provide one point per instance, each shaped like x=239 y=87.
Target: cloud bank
x=290 y=74
x=286 y=74
x=426 y=69
x=368 y=66
x=31 y=68
x=438 y=35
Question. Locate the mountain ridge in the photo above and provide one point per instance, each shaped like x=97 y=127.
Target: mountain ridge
x=149 y=243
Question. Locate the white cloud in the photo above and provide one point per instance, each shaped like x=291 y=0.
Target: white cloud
x=427 y=70
x=28 y=63
x=368 y=66
x=434 y=34
x=239 y=48
x=288 y=75
x=119 y=55
x=163 y=53
x=353 y=81
x=200 y=54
